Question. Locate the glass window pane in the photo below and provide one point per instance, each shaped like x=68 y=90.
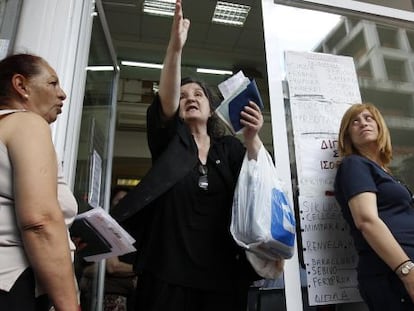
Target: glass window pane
x=94 y=149
x=382 y=53
x=9 y=18
x=406 y=5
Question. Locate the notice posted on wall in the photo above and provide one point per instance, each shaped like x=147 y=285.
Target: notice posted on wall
x=317 y=159
x=322 y=76
x=321 y=88
x=328 y=252
x=4 y=48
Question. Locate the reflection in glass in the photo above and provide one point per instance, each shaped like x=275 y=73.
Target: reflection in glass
x=383 y=60
x=383 y=57
x=406 y=5
x=94 y=149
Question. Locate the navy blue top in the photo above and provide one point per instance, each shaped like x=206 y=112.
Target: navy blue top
x=357 y=174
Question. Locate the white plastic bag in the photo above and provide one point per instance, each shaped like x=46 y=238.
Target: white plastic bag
x=266 y=268
x=263 y=221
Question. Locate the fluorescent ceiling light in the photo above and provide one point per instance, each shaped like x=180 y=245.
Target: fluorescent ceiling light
x=127 y=182
x=214 y=71
x=159 y=66
x=141 y=64
x=100 y=68
x=230 y=13
x=159 y=7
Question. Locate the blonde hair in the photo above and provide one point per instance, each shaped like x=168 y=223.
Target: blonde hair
x=345 y=145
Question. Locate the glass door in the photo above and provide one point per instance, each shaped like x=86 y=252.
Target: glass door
x=95 y=152
x=9 y=18
x=378 y=41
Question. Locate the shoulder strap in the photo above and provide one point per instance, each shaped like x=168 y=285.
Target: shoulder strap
x=9 y=111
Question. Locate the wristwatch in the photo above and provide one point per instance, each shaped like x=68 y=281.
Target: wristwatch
x=406 y=268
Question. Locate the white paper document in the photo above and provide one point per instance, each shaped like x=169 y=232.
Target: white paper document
x=232 y=84
x=120 y=241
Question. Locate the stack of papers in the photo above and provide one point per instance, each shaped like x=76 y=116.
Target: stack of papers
x=237 y=91
x=103 y=236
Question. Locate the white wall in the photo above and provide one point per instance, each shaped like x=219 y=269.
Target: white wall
x=59 y=31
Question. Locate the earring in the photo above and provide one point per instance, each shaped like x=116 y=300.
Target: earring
x=26 y=96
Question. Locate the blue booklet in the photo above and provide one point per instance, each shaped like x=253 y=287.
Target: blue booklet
x=230 y=108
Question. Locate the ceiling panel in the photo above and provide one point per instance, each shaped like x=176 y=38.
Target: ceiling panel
x=129 y=25
x=144 y=37
x=141 y=37
x=224 y=37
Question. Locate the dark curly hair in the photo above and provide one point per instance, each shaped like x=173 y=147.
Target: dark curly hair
x=215 y=127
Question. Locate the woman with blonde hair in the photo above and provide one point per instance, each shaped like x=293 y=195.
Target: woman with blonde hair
x=378 y=208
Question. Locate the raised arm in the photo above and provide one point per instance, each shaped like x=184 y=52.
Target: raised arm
x=169 y=89
x=39 y=217
x=365 y=215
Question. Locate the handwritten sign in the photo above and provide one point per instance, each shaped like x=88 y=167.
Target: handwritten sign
x=329 y=253
x=321 y=89
x=4 y=48
x=95 y=180
x=312 y=116
x=323 y=76
x=316 y=158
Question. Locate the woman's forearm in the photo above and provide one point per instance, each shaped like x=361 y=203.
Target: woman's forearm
x=47 y=247
x=169 y=89
x=116 y=267
x=252 y=147
x=380 y=238
x=170 y=79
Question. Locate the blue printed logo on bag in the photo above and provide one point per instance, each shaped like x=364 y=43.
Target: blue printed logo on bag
x=282 y=214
